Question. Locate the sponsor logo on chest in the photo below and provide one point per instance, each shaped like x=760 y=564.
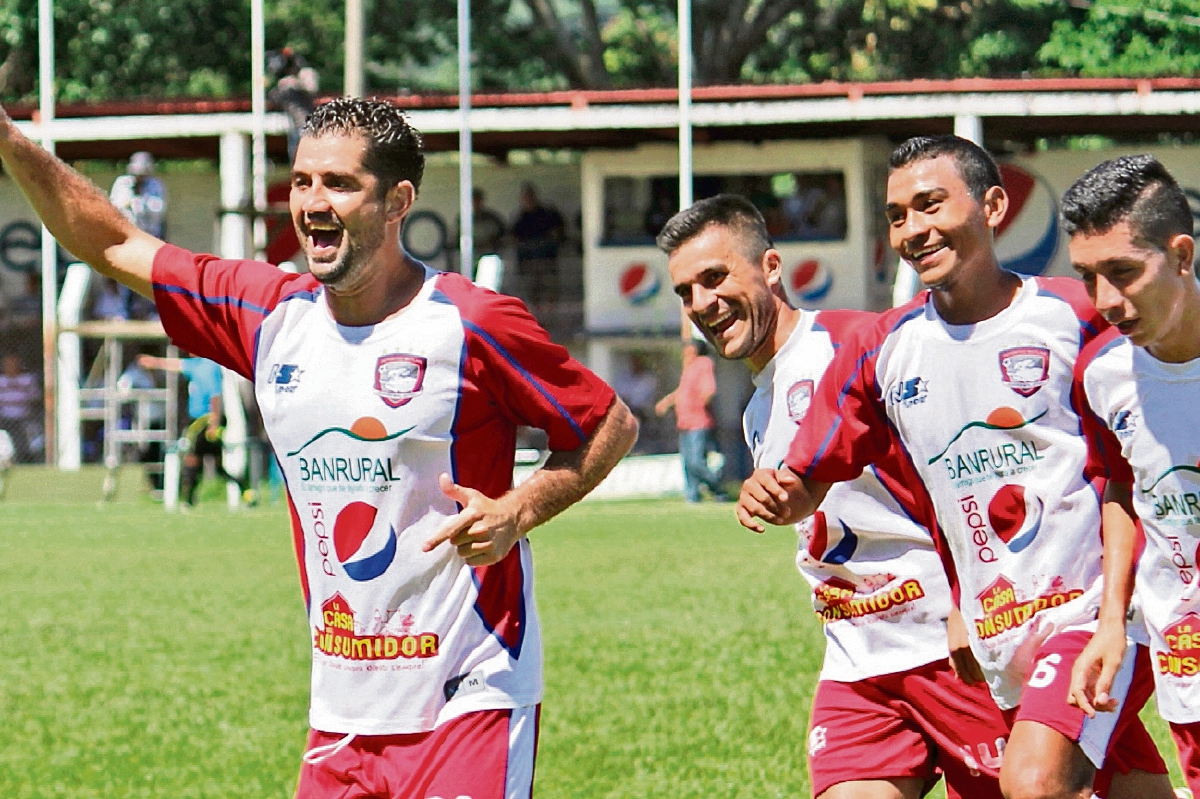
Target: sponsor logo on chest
x=285 y=377
x=910 y=392
x=1182 y=658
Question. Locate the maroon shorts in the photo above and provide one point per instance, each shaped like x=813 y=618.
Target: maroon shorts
x=484 y=755
x=911 y=724
x=1116 y=742
x=1187 y=741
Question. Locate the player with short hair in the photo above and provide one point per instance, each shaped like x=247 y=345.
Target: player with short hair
x=966 y=391
x=889 y=712
x=391 y=394
x=1131 y=240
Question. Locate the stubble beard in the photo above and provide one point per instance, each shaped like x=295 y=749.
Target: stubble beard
x=343 y=270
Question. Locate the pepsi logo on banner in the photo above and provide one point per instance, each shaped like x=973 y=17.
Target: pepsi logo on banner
x=639 y=283
x=811 y=280
x=1027 y=238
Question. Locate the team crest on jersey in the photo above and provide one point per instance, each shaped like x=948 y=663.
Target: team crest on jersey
x=799 y=397
x=1025 y=369
x=818 y=739
x=398 y=378
x=909 y=392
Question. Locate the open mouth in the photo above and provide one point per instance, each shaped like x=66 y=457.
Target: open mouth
x=1127 y=326
x=323 y=239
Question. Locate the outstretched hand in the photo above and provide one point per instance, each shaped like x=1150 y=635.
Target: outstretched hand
x=1095 y=669
x=483 y=531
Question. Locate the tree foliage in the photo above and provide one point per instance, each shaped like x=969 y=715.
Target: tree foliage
x=1146 y=38
x=201 y=48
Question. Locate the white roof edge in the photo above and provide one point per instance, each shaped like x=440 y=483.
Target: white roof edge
x=665 y=115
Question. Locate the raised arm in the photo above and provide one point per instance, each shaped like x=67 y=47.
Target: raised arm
x=486 y=529
x=78 y=214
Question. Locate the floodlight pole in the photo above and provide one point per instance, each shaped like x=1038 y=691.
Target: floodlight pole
x=684 y=16
x=49 y=246
x=466 y=211
x=258 y=110
x=352 y=80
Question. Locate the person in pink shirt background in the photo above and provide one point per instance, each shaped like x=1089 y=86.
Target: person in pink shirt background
x=694 y=420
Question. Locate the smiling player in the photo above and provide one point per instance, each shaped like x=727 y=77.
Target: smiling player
x=391 y=394
x=888 y=713
x=966 y=391
x=1131 y=240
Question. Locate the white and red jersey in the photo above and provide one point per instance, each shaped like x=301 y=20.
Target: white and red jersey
x=1143 y=427
x=363 y=420
x=978 y=420
x=877 y=583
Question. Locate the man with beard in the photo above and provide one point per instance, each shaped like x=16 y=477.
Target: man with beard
x=391 y=394
x=889 y=712
x=942 y=390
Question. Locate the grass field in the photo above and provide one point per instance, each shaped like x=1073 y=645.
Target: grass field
x=146 y=655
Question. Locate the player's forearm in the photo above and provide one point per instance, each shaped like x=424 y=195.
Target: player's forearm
x=567 y=477
x=76 y=212
x=1120 y=540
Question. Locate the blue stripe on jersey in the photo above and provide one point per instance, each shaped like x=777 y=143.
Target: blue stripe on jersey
x=236 y=302
x=462 y=367
x=515 y=651
x=474 y=328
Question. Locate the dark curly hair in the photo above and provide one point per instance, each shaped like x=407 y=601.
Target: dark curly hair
x=1133 y=188
x=975 y=166
x=394 y=150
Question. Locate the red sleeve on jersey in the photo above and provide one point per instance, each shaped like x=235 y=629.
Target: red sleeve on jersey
x=212 y=307
x=1104 y=458
x=841 y=324
x=845 y=428
x=531 y=380
x=1074 y=293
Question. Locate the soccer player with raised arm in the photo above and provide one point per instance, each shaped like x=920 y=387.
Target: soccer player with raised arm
x=966 y=392
x=1131 y=240
x=889 y=712
x=391 y=394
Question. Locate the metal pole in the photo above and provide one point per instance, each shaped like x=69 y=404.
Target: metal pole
x=685 y=103
x=258 y=108
x=684 y=16
x=49 y=246
x=466 y=212
x=353 y=74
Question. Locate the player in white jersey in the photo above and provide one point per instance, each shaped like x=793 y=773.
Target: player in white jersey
x=888 y=713
x=966 y=390
x=391 y=394
x=1131 y=240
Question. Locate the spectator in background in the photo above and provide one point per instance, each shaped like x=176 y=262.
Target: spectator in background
x=142 y=199
x=110 y=301
x=539 y=231
x=638 y=387
x=695 y=422
x=27 y=307
x=487 y=226
x=20 y=398
x=295 y=91
x=204 y=434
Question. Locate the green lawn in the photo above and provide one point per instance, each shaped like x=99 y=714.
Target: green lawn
x=167 y=656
